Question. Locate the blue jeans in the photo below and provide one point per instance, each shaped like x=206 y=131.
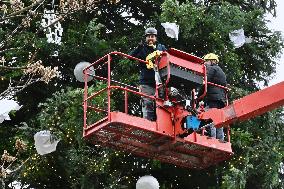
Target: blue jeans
x=216 y=132
x=148 y=105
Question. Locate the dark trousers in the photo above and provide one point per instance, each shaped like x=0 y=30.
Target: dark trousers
x=216 y=132
x=148 y=105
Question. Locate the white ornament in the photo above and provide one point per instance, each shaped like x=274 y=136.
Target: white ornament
x=53 y=32
x=6 y=106
x=45 y=142
x=147 y=182
x=237 y=37
x=78 y=71
x=171 y=29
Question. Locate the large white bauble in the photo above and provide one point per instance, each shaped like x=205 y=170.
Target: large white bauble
x=45 y=142
x=7 y=105
x=147 y=182
x=78 y=71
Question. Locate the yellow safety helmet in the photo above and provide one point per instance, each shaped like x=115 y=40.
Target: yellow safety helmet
x=211 y=56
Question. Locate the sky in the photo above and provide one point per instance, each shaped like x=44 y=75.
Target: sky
x=276 y=24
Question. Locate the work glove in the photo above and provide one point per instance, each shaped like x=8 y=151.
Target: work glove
x=150 y=64
x=151 y=58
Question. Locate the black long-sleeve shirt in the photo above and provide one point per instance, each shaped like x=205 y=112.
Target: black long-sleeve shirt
x=147 y=76
x=215 y=75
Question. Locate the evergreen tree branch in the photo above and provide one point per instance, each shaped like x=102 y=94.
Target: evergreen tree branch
x=12 y=68
x=22 y=10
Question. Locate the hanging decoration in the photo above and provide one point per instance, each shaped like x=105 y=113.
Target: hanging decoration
x=171 y=29
x=147 y=182
x=78 y=71
x=6 y=107
x=237 y=37
x=52 y=27
x=45 y=142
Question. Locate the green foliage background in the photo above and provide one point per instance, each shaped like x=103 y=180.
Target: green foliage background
x=204 y=27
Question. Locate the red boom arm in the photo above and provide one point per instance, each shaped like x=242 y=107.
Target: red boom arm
x=247 y=107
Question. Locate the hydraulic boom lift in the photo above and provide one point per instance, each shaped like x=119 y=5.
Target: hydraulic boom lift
x=176 y=136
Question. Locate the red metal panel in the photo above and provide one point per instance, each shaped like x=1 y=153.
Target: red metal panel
x=108 y=87
x=140 y=137
x=209 y=142
x=164 y=61
x=187 y=64
x=85 y=103
x=183 y=59
x=164 y=121
x=125 y=102
x=91 y=129
x=134 y=121
x=184 y=63
x=185 y=55
x=248 y=107
x=260 y=102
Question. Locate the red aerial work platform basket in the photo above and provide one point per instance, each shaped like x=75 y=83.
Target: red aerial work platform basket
x=162 y=139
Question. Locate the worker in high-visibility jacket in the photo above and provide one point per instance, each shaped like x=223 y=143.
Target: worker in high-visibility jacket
x=147 y=74
x=215 y=96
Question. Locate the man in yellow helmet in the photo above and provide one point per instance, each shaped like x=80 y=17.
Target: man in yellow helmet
x=147 y=74
x=215 y=96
